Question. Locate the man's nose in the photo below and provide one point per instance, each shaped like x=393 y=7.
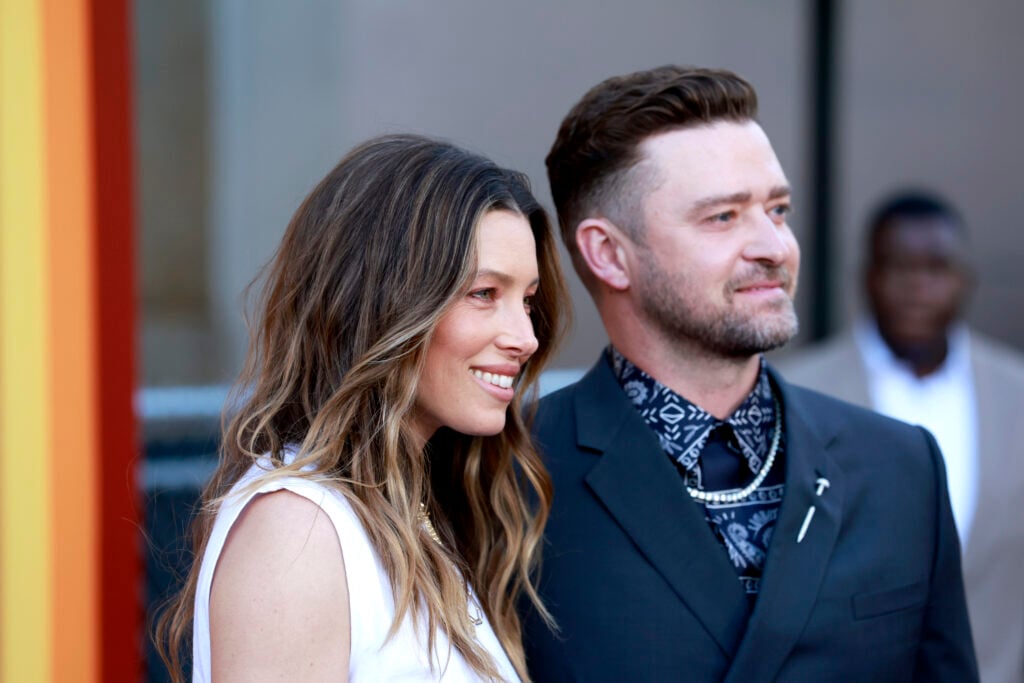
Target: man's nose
x=769 y=242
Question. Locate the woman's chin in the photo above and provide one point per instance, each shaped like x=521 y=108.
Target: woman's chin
x=490 y=426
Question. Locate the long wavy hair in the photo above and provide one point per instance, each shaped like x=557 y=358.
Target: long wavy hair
x=369 y=264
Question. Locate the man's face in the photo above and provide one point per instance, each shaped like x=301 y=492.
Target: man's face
x=917 y=281
x=716 y=264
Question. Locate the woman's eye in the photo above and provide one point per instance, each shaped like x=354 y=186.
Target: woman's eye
x=486 y=294
x=528 y=303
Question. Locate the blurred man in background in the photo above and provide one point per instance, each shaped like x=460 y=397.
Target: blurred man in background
x=913 y=358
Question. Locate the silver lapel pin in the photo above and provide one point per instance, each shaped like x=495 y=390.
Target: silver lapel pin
x=822 y=484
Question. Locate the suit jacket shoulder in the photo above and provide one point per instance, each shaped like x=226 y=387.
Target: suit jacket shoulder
x=833 y=367
x=862 y=441
x=642 y=590
x=995 y=547
x=1005 y=364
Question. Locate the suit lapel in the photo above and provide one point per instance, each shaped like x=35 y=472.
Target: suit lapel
x=793 y=571
x=645 y=495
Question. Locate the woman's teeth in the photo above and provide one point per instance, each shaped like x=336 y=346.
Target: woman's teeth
x=503 y=381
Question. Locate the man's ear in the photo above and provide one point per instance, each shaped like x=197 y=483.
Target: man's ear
x=603 y=246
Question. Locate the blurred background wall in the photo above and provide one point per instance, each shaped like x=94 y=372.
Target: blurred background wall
x=243 y=105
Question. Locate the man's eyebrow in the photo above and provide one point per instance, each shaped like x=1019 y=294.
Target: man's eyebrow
x=738 y=198
x=716 y=200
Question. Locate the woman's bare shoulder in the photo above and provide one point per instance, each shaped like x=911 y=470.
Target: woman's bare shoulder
x=279 y=600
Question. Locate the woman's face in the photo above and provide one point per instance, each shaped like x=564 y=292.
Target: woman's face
x=485 y=336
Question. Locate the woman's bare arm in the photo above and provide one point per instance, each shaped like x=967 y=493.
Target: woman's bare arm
x=279 y=602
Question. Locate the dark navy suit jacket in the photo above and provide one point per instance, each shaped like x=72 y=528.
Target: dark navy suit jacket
x=642 y=591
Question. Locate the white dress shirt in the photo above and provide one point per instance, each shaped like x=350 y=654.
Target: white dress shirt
x=943 y=402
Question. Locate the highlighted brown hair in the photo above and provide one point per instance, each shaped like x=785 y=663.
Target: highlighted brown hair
x=367 y=267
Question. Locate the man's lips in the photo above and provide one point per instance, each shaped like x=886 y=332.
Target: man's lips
x=762 y=281
x=762 y=285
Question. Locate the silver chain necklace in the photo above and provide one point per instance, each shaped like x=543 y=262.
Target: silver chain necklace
x=737 y=496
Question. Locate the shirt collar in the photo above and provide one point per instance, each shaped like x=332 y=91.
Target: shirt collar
x=683 y=427
x=879 y=358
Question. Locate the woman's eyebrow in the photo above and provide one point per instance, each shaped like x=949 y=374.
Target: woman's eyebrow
x=500 y=276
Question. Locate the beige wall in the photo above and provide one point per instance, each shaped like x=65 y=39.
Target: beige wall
x=927 y=93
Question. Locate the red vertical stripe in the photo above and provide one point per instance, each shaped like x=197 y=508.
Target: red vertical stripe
x=121 y=556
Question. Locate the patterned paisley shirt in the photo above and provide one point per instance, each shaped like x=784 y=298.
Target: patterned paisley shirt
x=744 y=528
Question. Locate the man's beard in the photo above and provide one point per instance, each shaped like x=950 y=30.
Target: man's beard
x=670 y=302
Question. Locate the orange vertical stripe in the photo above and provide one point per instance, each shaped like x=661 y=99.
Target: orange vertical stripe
x=72 y=312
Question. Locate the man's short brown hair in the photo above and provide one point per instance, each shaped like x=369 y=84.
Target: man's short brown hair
x=598 y=144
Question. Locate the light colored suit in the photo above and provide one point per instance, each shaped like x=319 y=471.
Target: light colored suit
x=994 y=555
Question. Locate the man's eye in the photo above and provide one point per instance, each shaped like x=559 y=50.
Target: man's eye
x=782 y=210
x=723 y=217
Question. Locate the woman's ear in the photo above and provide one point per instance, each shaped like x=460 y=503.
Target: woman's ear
x=604 y=248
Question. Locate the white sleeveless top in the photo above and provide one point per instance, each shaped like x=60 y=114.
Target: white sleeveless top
x=372 y=658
